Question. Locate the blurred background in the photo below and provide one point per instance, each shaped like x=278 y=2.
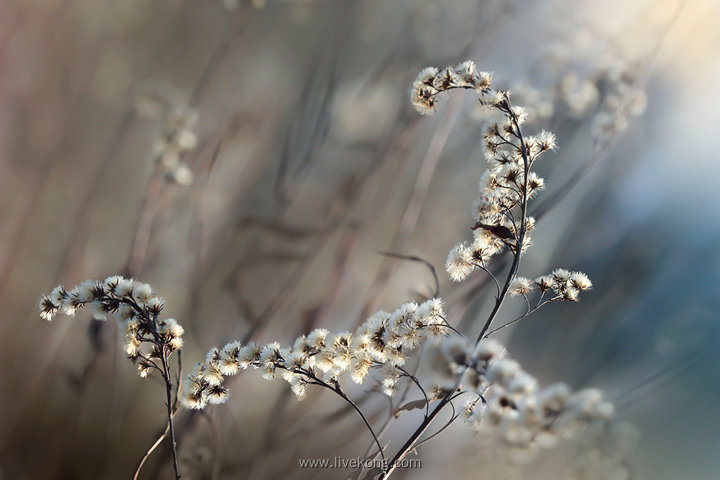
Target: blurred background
x=299 y=159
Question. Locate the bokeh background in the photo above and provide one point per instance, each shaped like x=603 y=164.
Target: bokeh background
x=309 y=162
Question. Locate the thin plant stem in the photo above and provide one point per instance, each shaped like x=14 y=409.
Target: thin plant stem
x=151 y=450
x=497 y=284
x=422 y=390
x=168 y=382
x=526 y=314
x=523 y=227
x=436 y=290
x=411 y=442
x=168 y=397
x=452 y=419
x=336 y=388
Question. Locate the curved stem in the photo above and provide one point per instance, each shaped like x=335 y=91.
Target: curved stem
x=422 y=390
x=150 y=450
x=436 y=291
x=445 y=325
x=497 y=284
x=362 y=415
x=523 y=227
x=453 y=417
x=336 y=389
x=167 y=427
x=410 y=443
x=528 y=313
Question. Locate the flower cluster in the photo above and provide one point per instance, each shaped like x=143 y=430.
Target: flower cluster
x=538 y=103
x=507 y=400
x=580 y=95
x=608 y=95
x=624 y=99
x=510 y=403
x=562 y=285
x=176 y=139
x=508 y=184
x=432 y=81
x=134 y=305
x=319 y=358
x=605 y=451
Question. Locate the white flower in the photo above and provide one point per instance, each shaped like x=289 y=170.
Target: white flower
x=520 y=286
x=360 y=367
x=546 y=282
x=488 y=349
x=561 y=275
x=316 y=338
x=124 y=287
x=502 y=370
x=580 y=281
x=98 y=311
x=142 y=292
x=459 y=262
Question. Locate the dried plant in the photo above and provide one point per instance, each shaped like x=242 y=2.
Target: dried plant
x=177 y=137
x=149 y=341
x=501 y=397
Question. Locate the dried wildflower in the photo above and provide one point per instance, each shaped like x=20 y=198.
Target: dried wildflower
x=506 y=400
x=460 y=262
x=500 y=210
x=520 y=286
x=381 y=342
x=389 y=379
x=545 y=282
x=149 y=341
x=521 y=414
x=430 y=82
x=564 y=284
x=176 y=138
x=580 y=281
x=624 y=99
x=135 y=306
x=448 y=359
x=525 y=417
x=580 y=95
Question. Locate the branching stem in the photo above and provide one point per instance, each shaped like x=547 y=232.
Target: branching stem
x=412 y=441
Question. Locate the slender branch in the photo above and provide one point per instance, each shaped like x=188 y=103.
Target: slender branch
x=509 y=215
x=391 y=415
x=155 y=365
x=436 y=291
x=167 y=427
x=444 y=325
x=178 y=383
x=151 y=450
x=523 y=227
x=367 y=424
x=168 y=395
x=453 y=417
x=497 y=284
x=527 y=301
x=410 y=443
x=336 y=388
x=422 y=390
x=526 y=314
x=480 y=397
